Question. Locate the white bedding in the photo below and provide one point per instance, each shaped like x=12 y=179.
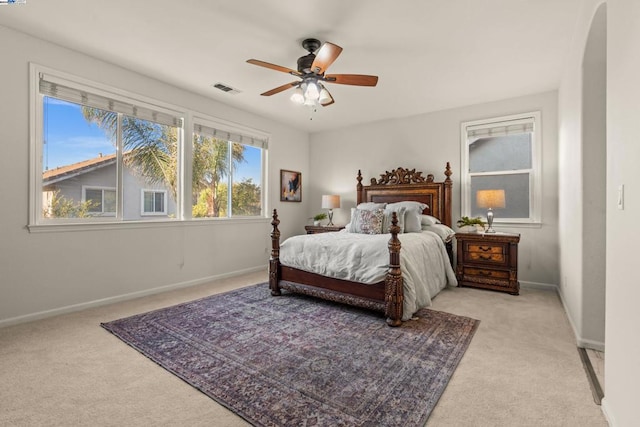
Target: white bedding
x=365 y=258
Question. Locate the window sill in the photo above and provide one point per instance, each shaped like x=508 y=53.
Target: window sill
x=517 y=224
x=124 y=225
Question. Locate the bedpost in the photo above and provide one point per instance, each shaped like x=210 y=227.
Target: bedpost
x=274 y=260
x=359 y=188
x=448 y=184
x=394 y=292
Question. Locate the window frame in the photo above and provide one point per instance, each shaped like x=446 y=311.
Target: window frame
x=535 y=175
x=243 y=132
x=102 y=190
x=37 y=223
x=154 y=192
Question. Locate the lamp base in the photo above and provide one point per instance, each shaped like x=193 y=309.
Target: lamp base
x=490 y=222
x=330 y=215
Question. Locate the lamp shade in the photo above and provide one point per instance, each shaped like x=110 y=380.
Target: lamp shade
x=331 y=201
x=490 y=199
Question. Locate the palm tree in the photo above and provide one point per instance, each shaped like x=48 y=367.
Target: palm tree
x=211 y=165
x=151 y=149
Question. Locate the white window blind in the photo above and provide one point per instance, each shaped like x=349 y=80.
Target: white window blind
x=233 y=136
x=55 y=87
x=499 y=129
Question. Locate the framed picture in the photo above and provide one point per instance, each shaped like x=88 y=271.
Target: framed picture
x=290 y=186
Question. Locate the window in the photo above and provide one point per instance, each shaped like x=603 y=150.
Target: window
x=227 y=173
x=153 y=202
x=503 y=154
x=99 y=200
x=100 y=154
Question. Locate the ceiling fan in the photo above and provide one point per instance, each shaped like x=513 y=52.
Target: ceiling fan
x=310 y=89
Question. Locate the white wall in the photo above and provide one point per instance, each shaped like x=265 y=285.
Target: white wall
x=622 y=365
x=582 y=171
x=426 y=142
x=47 y=273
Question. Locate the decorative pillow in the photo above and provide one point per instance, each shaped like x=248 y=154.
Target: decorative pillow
x=412 y=216
x=429 y=220
x=366 y=221
x=371 y=206
x=388 y=216
x=445 y=233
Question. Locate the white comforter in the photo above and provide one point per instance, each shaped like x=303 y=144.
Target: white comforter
x=365 y=258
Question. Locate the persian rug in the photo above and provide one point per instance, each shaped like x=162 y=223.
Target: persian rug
x=294 y=360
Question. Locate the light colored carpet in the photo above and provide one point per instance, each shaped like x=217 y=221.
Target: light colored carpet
x=522 y=368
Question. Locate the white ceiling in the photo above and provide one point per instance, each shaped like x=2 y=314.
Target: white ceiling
x=429 y=54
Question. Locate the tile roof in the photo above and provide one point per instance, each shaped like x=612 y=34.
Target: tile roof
x=74 y=169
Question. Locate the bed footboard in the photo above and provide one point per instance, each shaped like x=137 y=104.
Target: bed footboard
x=369 y=296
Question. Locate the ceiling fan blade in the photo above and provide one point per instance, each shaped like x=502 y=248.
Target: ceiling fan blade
x=351 y=79
x=325 y=57
x=273 y=67
x=280 y=89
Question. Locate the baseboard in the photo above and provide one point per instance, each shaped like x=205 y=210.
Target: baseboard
x=580 y=341
x=537 y=285
x=606 y=410
x=118 y=298
x=590 y=344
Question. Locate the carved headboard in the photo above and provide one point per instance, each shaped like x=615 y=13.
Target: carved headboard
x=403 y=184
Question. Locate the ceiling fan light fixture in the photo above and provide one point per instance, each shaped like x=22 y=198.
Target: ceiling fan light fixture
x=325 y=97
x=298 y=96
x=312 y=92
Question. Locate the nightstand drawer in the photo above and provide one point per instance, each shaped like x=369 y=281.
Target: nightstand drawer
x=486 y=249
x=482 y=272
x=485 y=257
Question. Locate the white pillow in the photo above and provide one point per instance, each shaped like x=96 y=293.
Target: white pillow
x=429 y=220
x=366 y=221
x=388 y=216
x=412 y=215
x=445 y=233
x=370 y=206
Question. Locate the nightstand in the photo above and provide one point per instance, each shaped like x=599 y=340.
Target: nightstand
x=488 y=261
x=314 y=229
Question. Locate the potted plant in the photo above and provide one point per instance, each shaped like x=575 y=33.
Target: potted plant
x=470 y=225
x=319 y=217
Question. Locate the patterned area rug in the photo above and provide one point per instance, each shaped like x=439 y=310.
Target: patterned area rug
x=297 y=361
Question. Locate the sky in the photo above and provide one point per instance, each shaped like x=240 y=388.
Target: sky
x=69 y=138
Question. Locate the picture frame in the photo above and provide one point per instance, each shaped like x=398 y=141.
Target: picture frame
x=290 y=186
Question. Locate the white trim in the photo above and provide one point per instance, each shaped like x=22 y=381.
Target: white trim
x=608 y=414
x=110 y=224
x=580 y=341
x=535 y=184
x=124 y=297
x=537 y=285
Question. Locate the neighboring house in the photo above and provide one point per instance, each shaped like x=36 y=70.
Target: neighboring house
x=95 y=180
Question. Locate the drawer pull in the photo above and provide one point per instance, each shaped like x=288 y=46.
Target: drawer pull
x=484 y=273
x=486 y=257
x=484 y=248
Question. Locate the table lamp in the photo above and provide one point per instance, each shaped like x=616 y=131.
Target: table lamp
x=490 y=199
x=330 y=202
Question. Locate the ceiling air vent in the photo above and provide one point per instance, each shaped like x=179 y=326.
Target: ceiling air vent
x=223 y=87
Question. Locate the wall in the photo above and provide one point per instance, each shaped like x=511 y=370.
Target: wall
x=426 y=142
x=622 y=364
x=51 y=272
x=580 y=156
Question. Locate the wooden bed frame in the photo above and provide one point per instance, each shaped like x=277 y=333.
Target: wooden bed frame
x=387 y=296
